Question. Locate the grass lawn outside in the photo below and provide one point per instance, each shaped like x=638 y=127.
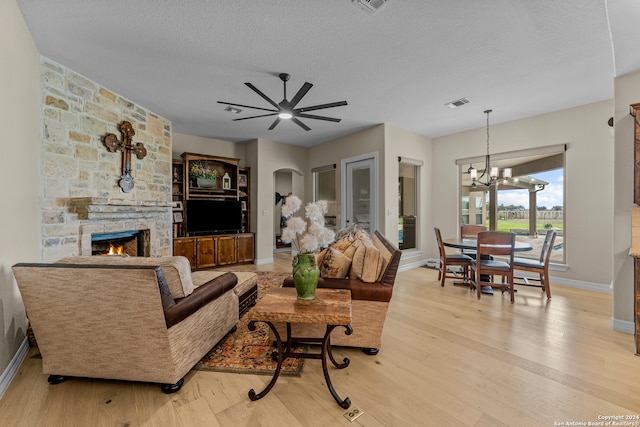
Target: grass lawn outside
x=507 y=225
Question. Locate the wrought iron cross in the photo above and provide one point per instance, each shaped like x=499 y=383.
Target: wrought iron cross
x=126 y=146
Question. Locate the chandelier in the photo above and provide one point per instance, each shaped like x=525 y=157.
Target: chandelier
x=490 y=172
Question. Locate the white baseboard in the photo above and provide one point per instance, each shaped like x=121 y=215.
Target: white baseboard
x=590 y=286
x=263 y=261
x=623 y=326
x=14 y=365
x=412 y=265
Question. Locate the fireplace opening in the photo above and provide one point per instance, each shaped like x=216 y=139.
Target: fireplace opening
x=127 y=243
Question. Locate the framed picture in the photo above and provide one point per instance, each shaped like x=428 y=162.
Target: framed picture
x=177 y=206
x=177 y=217
x=244 y=205
x=242 y=180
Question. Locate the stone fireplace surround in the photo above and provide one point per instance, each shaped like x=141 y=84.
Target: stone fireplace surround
x=98 y=216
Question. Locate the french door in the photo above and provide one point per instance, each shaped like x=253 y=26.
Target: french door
x=360 y=191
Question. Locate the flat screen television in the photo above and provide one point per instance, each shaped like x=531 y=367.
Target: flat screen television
x=213 y=217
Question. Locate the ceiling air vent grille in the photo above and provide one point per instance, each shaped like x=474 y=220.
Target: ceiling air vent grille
x=371 y=6
x=458 y=103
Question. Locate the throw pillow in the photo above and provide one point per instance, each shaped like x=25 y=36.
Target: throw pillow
x=367 y=262
x=334 y=264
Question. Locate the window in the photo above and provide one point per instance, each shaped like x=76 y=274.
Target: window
x=324 y=188
x=408 y=202
x=529 y=203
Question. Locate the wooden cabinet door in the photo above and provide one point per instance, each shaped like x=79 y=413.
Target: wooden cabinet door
x=186 y=247
x=245 y=248
x=226 y=250
x=206 y=252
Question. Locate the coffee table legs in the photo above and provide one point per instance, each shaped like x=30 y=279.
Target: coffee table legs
x=326 y=349
x=282 y=353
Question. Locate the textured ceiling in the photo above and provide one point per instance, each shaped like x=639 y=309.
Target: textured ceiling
x=399 y=66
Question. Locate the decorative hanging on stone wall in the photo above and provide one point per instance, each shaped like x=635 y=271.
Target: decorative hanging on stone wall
x=126 y=146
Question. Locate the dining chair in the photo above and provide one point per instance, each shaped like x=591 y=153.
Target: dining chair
x=539 y=266
x=486 y=266
x=447 y=260
x=471 y=232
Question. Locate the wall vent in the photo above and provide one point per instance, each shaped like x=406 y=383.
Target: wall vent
x=371 y=6
x=458 y=103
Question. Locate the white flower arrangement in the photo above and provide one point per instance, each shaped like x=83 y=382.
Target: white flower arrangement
x=306 y=235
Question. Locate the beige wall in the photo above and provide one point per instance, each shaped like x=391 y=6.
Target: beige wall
x=402 y=143
x=369 y=140
x=588 y=181
x=627 y=92
x=20 y=125
x=183 y=143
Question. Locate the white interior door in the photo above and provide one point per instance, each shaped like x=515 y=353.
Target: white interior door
x=359 y=197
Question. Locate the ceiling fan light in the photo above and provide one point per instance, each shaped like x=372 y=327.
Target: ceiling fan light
x=285 y=115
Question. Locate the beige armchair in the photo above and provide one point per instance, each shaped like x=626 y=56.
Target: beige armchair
x=103 y=317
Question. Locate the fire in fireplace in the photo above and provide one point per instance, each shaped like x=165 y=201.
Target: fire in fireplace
x=131 y=243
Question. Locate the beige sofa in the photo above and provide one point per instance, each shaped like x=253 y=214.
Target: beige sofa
x=369 y=299
x=127 y=318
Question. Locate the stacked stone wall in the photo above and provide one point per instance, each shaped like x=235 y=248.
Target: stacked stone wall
x=77 y=113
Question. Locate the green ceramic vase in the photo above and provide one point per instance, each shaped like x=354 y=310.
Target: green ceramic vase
x=305 y=275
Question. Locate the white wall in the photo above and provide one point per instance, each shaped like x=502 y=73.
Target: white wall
x=588 y=180
x=20 y=124
x=627 y=92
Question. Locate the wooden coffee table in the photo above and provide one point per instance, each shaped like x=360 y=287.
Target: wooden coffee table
x=331 y=307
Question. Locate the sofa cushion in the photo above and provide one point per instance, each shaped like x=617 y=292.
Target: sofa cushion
x=176 y=269
x=367 y=263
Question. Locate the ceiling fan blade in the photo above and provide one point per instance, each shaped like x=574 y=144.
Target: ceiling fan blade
x=302 y=92
x=321 y=106
x=255 y=117
x=312 y=116
x=274 y=124
x=299 y=123
x=246 y=106
x=265 y=97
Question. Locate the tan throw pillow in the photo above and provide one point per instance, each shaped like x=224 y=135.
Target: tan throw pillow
x=320 y=257
x=367 y=262
x=334 y=264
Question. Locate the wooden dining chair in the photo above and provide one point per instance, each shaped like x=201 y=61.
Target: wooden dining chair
x=485 y=268
x=471 y=231
x=539 y=266
x=448 y=260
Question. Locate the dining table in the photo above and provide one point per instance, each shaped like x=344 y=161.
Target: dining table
x=472 y=244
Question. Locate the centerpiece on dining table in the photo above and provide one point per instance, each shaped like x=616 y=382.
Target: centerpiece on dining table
x=306 y=236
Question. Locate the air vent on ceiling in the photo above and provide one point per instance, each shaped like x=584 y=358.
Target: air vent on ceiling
x=233 y=109
x=371 y=6
x=458 y=103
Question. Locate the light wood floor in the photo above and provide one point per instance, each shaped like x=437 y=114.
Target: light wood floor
x=447 y=360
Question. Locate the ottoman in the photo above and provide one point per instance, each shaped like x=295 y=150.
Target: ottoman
x=246 y=289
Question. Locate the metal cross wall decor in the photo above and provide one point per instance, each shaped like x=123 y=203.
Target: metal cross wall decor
x=126 y=146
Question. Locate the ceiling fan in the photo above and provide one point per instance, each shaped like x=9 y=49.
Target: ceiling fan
x=285 y=110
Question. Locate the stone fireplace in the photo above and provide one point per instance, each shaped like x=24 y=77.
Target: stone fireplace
x=81 y=199
x=102 y=221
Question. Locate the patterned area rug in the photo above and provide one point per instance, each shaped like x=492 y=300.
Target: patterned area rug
x=249 y=352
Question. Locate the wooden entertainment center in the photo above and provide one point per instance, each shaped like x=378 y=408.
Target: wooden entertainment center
x=219 y=232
